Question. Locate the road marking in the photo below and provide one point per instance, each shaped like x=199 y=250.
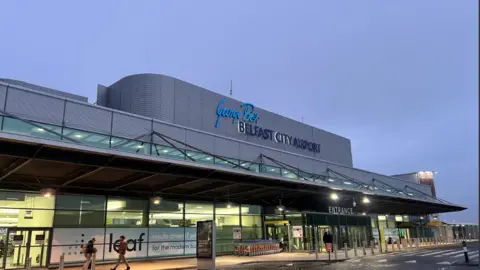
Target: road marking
x=474 y=256
x=435 y=252
x=356 y=260
x=445 y=263
x=448 y=254
x=384 y=260
x=412 y=261
x=461 y=255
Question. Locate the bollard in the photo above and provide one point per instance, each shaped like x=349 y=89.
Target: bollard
x=346 y=250
x=386 y=246
x=335 y=247
x=404 y=243
x=379 y=247
x=62 y=262
x=416 y=242
x=94 y=261
x=398 y=245
x=393 y=246
x=28 y=263
x=372 y=246
x=465 y=251
x=364 y=248
x=355 y=249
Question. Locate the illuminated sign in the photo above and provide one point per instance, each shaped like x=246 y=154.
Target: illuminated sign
x=246 y=118
x=247 y=113
x=340 y=210
x=278 y=137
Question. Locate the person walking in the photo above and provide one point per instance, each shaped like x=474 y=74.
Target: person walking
x=122 y=249
x=89 y=252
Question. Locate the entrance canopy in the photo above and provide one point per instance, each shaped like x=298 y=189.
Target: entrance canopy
x=28 y=163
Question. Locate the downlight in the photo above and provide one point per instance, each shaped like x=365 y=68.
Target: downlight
x=156 y=200
x=47 y=192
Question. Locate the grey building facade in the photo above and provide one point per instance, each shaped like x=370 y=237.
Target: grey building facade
x=151 y=135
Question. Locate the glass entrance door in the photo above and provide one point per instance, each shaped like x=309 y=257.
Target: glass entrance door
x=23 y=243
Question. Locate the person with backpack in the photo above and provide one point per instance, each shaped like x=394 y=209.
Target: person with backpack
x=122 y=250
x=89 y=252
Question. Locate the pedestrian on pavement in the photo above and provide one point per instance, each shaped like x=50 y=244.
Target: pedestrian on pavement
x=122 y=249
x=90 y=252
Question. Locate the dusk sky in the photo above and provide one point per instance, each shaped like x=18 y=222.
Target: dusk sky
x=398 y=78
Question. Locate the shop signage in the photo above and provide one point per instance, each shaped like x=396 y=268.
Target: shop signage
x=297 y=231
x=40 y=239
x=237 y=233
x=340 y=210
x=18 y=239
x=246 y=113
x=278 y=137
x=276 y=222
x=204 y=239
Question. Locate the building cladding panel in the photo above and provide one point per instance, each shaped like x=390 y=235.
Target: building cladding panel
x=34 y=106
x=45 y=90
x=224 y=140
x=182 y=103
x=3 y=94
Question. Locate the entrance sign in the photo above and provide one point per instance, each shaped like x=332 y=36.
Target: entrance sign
x=237 y=233
x=40 y=239
x=297 y=231
x=206 y=236
x=340 y=210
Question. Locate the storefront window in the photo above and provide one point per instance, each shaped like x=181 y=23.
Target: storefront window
x=252 y=227
x=80 y=211
x=197 y=211
x=227 y=217
x=166 y=214
x=126 y=212
x=19 y=209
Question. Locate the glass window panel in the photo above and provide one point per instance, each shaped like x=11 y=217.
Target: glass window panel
x=20 y=127
x=251 y=209
x=80 y=202
x=88 y=138
x=270 y=170
x=126 y=219
x=123 y=204
x=289 y=173
x=79 y=219
x=192 y=219
x=25 y=200
x=200 y=157
x=125 y=145
x=166 y=151
x=26 y=217
x=227 y=209
x=398 y=219
x=254 y=167
x=163 y=219
x=167 y=206
x=201 y=208
x=227 y=162
x=252 y=227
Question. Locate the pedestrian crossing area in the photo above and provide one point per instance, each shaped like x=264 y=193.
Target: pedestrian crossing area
x=451 y=254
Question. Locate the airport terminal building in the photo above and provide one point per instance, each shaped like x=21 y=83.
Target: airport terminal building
x=155 y=154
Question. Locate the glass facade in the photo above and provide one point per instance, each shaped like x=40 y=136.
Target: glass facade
x=154 y=230
x=46 y=131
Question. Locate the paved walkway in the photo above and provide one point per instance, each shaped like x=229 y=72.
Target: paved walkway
x=226 y=262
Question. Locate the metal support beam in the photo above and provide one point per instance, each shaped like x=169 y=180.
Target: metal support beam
x=213 y=187
x=15 y=168
x=82 y=176
x=137 y=181
x=176 y=185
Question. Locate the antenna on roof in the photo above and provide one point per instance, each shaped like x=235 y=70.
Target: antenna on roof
x=231 y=88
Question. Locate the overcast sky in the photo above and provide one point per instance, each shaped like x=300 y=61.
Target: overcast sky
x=398 y=78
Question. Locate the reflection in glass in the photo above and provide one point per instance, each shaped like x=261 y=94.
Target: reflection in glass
x=165 y=151
x=270 y=170
x=21 y=127
x=87 y=138
x=202 y=208
x=200 y=157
